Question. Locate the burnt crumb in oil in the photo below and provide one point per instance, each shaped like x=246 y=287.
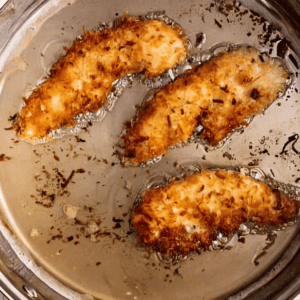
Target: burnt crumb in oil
x=228 y=155
x=256 y=263
x=270 y=241
x=13 y=118
x=55 y=237
x=89 y=208
x=199 y=39
x=3 y=157
x=293 y=60
x=242 y=240
x=177 y=273
x=117 y=220
x=54 y=185
x=291 y=140
x=265 y=151
x=282 y=48
x=218 y=24
x=167 y=276
x=68 y=180
x=79 y=140
x=55 y=156
x=254 y=163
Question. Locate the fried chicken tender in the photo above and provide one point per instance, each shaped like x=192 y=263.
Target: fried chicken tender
x=80 y=81
x=185 y=215
x=219 y=95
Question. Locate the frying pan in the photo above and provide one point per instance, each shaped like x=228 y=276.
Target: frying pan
x=92 y=253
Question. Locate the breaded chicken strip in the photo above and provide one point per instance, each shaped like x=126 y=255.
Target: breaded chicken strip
x=80 y=81
x=219 y=95
x=186 y=215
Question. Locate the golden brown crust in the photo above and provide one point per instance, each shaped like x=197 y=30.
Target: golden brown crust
x=185 y=215
x=80 y=81
x=219 y=95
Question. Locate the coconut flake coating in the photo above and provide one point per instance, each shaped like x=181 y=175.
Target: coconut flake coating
x=186 y=215
x=81 y=80
x=219 y=95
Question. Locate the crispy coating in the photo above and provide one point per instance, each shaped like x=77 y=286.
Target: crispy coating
x=185 y=215
x=219 y=95
x=80 y=81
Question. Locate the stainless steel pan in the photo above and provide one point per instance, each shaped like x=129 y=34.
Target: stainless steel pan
x=48 y=254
